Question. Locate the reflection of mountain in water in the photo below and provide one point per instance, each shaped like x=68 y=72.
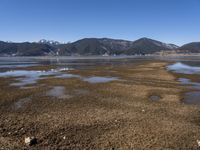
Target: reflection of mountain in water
x=183 y=68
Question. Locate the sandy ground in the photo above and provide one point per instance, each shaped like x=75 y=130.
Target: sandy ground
x=115 y=115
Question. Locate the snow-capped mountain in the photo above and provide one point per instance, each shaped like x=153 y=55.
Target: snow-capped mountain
x=49 y=42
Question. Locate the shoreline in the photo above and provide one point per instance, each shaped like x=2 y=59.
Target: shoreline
x=105 y=57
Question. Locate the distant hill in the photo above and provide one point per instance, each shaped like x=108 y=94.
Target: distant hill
x=149 y=46
x=190 y=48
x=94 y=46
x=25 y=49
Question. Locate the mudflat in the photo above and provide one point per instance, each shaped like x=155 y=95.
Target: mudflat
x=140 y=109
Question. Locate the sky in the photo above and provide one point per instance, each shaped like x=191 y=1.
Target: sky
x=171 y=21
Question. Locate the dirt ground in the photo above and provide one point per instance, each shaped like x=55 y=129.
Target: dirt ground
x=113 y=115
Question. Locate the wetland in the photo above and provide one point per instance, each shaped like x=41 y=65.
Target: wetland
x=100 y=103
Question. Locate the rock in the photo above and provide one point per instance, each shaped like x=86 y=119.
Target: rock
x=30 y=141
x=198 y=142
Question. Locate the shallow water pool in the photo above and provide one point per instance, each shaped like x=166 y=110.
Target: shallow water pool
x=100 y=79
x=184 y=68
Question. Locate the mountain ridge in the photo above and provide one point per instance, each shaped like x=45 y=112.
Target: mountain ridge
x=93 y=46
x=193 y=47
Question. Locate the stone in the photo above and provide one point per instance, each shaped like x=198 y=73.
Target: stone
x=30 y=141
x=198 y=142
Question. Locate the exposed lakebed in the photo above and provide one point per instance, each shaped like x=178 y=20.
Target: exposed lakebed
x=24 y=77
x=138 y=101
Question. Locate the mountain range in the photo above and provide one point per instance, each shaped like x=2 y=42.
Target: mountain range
x=94 y=46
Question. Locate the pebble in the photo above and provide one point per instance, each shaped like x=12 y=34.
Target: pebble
x=198 y=142
x=30 y=141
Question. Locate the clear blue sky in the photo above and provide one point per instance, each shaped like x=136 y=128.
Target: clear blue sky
x=175 y=21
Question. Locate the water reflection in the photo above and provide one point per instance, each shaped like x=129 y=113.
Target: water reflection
x=99 y=79
x=192 y=98
x=67 y=75
x=188 y=68
x=27 y=77
x=194 y=85
x=20 y=103
x=155 y=97
x=183 y=68
x=56 y=91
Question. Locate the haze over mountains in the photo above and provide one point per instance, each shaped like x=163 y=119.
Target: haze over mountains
x=94 y=46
